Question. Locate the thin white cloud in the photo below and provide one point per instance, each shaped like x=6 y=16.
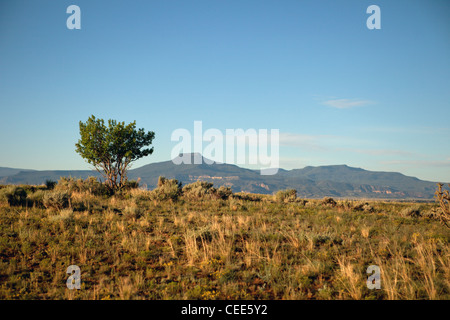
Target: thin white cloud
x=419 y=163
x=346 y=103
x=384 y=152
x=406 y=130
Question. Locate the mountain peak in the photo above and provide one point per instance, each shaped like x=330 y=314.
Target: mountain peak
x=310 y=182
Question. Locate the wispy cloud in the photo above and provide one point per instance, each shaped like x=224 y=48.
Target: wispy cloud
x=429 y=130
x=384 y=152
x=419 y=163
x=346 y=103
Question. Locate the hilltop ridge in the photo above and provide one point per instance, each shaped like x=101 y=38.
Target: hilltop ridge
x=311 y=181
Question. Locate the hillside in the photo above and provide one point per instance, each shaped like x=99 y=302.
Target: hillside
x=311 y=182
x=39 y=177
x=5 y=172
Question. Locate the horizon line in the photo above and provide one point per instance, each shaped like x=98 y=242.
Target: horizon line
x=198 y=153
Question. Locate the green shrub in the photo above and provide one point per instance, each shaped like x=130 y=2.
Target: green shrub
x=301 y=201
x=140 y=196
x=13 y=195
x=131 y=184
x=414 y=211
x=198 y=189
x=224 y=192
x=363 y=206
x=288 y=195
x=203 y=189
x=168 y=189
x=248 y=196
x=56 y=200
x=37 y=198
x=50 y=184
x=90 y=184
x=328 y=201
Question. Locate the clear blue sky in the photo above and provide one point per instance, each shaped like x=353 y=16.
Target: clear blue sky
x=338 y=92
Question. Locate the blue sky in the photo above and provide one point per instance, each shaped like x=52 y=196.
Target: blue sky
x=338 y=92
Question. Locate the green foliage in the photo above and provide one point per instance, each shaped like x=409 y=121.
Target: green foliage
x=111 y=149
x=168 y=189
x=364 y=206
x=131 y=184
x=414 y=211
x=90 y=185
x=50 y=184
x=288 y=195
x=329 y=201
x=224 y=192
x=37 y=198
x=199 y=190
x=56 y=200
x=13 y=195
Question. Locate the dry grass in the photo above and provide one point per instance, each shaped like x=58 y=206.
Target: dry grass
x=134 y=247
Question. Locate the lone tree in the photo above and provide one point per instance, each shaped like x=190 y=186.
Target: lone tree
x=111 y=149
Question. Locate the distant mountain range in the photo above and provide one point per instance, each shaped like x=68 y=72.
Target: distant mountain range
x=339 y=181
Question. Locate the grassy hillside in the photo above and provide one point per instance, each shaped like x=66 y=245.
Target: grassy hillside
x=196 y=245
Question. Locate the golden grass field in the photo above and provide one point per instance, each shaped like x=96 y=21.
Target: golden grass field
x=133 y=246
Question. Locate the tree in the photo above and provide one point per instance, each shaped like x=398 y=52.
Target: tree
x=111 y=149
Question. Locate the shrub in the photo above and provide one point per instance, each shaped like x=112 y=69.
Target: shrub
x=14 y=195
x=249 y=196
x=56 y=200
x=329 y=201
x=443 y=197
x=131 y=184
x=413 y=211
x=288 y=195
x=363 y=206
x=50 y=184
x=139 y=195
x=224 y=193
x=302 y=201
x=37 y=198
x=168 y=189
x=202 y=189
x=432 y=213
x=198 y=189
x=90 y=185
x=236 y=204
